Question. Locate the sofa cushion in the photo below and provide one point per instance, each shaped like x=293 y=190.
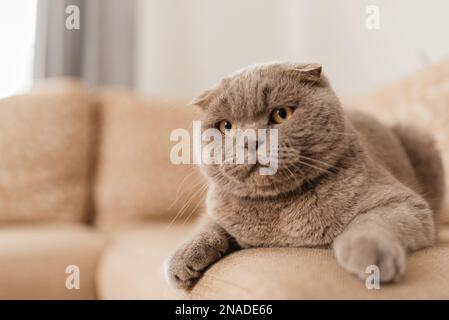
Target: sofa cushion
x=131 y=268
x=420 y=99
x=34 y=259
x=135 y=178
x=45 y=143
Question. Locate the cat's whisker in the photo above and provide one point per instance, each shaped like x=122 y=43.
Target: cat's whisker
x=178 y=194
x=186 y=205
x=194 y=209
x=330 y=166
x=314 y=166
x=319 y=163
x=292 y=174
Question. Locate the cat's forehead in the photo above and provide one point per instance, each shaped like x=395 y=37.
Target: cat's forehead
x=251 y=91
x=254 y=75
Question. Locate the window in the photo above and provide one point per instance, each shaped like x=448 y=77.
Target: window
x=17 y=34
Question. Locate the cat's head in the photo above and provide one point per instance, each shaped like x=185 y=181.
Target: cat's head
x=295 y=99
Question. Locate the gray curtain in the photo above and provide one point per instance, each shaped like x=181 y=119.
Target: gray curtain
x=100 y=52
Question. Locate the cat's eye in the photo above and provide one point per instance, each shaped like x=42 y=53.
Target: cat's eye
x=281 y=114
x=225 y=126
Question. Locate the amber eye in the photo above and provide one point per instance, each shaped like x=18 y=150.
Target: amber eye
x=225 y=126
x=281 y=114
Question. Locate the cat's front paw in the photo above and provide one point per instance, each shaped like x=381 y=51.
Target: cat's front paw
x=355 y=252
x=189 y=262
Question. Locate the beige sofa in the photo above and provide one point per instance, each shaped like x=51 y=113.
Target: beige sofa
x=85 y=180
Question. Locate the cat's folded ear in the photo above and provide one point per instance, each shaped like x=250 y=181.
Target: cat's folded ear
x=307 y=71
x=204 y=99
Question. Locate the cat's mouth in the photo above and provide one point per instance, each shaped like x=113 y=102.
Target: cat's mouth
x=242 y=172
x=255 y=169
x=250 y=174
x=246 y=179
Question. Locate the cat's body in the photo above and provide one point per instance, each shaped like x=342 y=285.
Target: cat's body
x=366 y=190
x=375 y=170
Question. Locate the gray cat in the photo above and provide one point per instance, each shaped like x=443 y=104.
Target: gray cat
x=344 y=180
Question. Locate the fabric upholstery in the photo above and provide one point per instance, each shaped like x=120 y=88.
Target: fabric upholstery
x=131 y=268
x=34 y=258
x=45 y=138
x=420 y=99
x=135 y=178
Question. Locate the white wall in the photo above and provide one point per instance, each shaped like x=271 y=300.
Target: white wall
x=17 y=28
x=184 y=47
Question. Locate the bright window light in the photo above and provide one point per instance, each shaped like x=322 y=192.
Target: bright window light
x=17 y=34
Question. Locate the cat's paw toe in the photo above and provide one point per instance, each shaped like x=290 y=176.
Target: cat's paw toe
x=187 y=264
x=356 y=252
x=179 y=275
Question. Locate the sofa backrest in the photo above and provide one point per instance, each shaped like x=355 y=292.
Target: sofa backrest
x=104 y=156
x=135 y=179
x=46 y=154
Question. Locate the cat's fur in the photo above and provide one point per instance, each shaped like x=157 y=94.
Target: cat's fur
x=344 y=180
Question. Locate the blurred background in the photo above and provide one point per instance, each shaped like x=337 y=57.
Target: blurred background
x=175 y=48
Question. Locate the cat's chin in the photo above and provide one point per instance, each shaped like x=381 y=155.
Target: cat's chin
x=247 y=181
x=256 y=186
x=255 y=192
